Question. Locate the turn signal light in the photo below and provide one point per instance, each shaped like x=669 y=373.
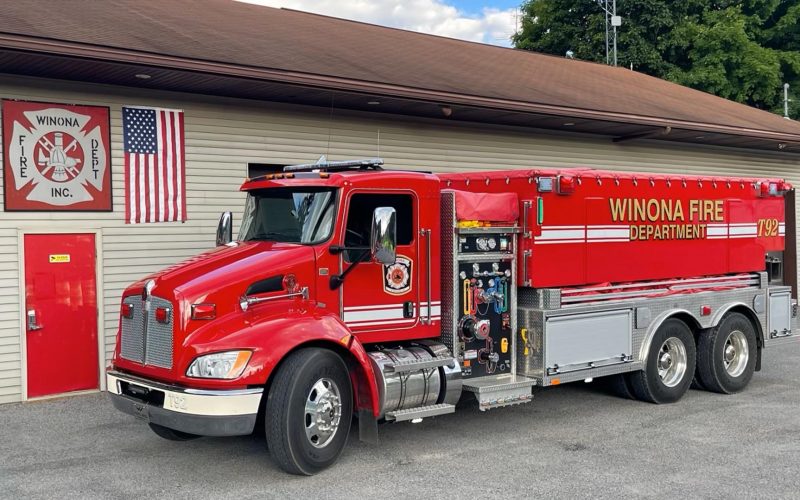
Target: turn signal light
x=204 y=311
x=290 y=283
x=162 y=314
x=127 y=311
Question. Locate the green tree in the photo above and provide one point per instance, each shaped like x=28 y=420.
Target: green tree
x=740 y=50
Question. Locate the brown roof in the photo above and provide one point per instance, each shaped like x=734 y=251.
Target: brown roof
x=221 y=36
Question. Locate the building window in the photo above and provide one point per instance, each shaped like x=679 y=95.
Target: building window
x=259 y=169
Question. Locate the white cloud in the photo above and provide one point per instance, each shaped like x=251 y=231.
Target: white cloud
x=494 y=26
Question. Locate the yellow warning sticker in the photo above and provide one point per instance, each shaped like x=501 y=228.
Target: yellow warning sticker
x=59 y=258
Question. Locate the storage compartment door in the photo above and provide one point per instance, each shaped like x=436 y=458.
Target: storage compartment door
x=589 y=340
x=780 y=314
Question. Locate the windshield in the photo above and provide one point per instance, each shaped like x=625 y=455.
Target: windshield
x=293 y=215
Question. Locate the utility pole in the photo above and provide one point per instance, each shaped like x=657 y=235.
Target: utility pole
x=786 y=101
x=606 y=12
x=615 y=21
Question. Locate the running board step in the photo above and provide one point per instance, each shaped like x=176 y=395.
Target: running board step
x=420 y=412
x=496 y=391
x=415 y=364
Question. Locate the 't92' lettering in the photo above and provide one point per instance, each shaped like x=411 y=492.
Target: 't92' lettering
x=767 y=228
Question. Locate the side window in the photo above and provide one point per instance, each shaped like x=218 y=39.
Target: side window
x=359 y=220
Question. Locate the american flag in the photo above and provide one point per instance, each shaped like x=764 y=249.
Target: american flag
x=155 y=173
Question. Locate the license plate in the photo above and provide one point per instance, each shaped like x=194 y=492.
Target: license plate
x=141 y=411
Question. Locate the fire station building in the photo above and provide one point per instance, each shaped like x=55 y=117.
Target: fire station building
x=228 y=90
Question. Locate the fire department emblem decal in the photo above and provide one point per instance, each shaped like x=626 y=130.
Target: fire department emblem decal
x=58 y=157
x=397 y=276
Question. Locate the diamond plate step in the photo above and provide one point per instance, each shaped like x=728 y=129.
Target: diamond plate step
x=420 y=412
x=496 y=391
x=414 y=364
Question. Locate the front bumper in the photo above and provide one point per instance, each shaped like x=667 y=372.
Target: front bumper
x=196 y=411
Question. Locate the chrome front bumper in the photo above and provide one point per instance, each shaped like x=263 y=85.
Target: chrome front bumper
x=196 y=411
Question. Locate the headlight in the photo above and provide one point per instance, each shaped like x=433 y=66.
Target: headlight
x=224 y=365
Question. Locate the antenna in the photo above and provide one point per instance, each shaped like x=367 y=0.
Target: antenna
x=786 y=101
x=330 y=127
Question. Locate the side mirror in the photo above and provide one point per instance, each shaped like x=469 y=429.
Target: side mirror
x=225 y=229
x=383 y=235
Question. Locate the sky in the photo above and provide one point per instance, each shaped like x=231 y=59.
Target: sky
x=486 y=21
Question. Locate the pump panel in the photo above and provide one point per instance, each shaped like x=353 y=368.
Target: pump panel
x=484 y=282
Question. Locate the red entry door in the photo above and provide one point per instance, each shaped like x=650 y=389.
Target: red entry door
x=60 y=313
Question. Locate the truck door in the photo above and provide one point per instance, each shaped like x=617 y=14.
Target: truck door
x=376 y=297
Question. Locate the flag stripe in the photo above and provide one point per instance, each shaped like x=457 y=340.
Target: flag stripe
x=168 y=138
x=142 y=185
x=181 y=168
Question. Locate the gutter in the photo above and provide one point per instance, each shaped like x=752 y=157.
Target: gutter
x=109 y=54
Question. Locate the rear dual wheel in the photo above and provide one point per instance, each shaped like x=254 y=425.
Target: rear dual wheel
x=726 y=355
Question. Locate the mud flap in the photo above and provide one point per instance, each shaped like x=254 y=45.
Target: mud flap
x=367 y=427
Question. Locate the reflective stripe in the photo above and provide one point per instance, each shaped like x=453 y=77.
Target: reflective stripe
x=561 y=235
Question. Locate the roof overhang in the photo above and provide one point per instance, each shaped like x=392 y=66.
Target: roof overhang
x=57 y=59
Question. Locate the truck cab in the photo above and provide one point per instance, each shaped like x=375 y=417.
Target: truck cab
x=325 y=262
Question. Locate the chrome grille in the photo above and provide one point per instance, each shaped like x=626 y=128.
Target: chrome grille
x=143 y=339
x=132 y=339
x=158 y=348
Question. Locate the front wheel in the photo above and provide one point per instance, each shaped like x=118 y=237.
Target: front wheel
x=670 y=365
x=309 y=411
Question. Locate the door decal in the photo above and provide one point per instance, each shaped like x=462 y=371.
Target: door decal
x=397 y=276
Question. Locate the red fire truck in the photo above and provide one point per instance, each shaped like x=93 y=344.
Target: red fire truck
x=391 y=295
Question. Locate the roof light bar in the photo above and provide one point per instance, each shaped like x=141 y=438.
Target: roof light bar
x=324 y=165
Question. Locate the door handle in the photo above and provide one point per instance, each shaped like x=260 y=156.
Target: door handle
x=32 y=325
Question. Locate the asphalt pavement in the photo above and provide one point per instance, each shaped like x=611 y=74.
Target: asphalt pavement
x=573 y=441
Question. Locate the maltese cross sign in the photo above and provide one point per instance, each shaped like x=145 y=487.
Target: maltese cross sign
x=56 y=157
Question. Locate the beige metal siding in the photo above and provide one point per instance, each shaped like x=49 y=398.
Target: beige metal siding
x=223 y=135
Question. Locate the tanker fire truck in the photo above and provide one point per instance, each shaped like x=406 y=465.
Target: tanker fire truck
x=390 y=295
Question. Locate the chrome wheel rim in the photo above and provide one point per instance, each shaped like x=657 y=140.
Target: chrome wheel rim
x=735 y=354
x=672 y=362
x=323 y=412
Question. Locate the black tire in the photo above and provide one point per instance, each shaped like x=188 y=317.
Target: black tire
x=172 y=434
x=696 y=384
x=648 y=385
x=619 y=385
x=286 y=419
x=711 y=350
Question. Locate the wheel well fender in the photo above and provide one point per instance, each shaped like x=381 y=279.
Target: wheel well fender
x=681 y=314
x=327 y=332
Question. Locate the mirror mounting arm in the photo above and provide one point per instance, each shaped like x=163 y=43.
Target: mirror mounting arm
x=337 y=249
x=337 y=279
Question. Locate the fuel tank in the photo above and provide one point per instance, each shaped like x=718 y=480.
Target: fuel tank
x=583 y=226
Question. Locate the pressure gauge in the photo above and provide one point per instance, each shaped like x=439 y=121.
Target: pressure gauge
x=492 y=243
x=482 y=244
